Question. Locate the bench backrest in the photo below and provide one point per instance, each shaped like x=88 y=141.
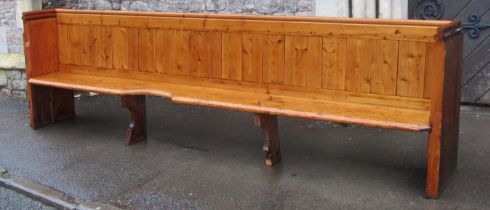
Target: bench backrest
x=365 y=57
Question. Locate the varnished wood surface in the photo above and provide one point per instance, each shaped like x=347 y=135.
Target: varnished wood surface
x=390 y=66
x=444 y=24
x=270 y=128
x=332 y=95
x=48 y=105
x=381 y=73
x=136 y=104
x=442 y=148
x=247 y=100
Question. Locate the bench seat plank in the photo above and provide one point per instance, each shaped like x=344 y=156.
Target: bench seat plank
x=250 y=101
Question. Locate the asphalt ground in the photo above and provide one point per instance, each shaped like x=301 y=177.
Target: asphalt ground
x=11 y=200
x=203 y=158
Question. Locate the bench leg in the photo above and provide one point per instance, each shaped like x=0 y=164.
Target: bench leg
x=442 y=158
x=137 y=126
x=48 y=105
x=272 y=150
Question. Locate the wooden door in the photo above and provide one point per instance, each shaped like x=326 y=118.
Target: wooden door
x=475 y=16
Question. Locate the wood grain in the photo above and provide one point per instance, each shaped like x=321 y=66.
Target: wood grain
x=48 y=105
x=41 y=46
x=133 y=35
x=358 y=66
x=232 y=56
x=137 y=126
x=75 y=39
x=121 y=50
x=270 y=129
x=246 y=99
x=104 y=46
x=341 y=96
x=63 y=44
x=431 y=60
x=314 y=62
x=296 y=60
x=181 y=52
x=384 y=66
x=146 y=52
x=87 y=36
x=367 y=29
x=382 y=73
x=442 y=148
x=163 y=51
x=252 y=57
x=334 y=63
x=411 y=69
x=273 y=59
x=206 y=54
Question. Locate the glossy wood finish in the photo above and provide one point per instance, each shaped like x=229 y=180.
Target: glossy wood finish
x=381 y=73
x=315 y=53
x=276 y=102
x=137 y=109
x=46 y=104
x=271 y=147
x=49 y=105
x=442 y=148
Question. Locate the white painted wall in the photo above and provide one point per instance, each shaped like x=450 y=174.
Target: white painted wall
x=20 y=7
x=399 y=9
x=332 y=8
x=389 y=9
x=364 y=8
x=25 y=5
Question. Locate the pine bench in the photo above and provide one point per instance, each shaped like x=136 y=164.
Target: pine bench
x=395 y=74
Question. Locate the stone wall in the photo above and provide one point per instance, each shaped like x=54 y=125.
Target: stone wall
x=11 y=26
x=12 y=73
x=10 y=41
x=13 y=69
x=16 y=83
x=265 y=7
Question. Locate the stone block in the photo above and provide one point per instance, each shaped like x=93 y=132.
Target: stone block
x=215 y=5
x=197 y=5
x=3 y=40
x=103 y=5
x=270 y=6
x=19 y=85
x=139 y=6
x=3 y=78
x=9 y=84
x=291 y=6
x=19 y=94
x=6 y=92
x=13 y=75
x=12 y=61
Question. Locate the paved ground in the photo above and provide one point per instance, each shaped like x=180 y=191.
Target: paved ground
x=10 y=200
x=200 y=158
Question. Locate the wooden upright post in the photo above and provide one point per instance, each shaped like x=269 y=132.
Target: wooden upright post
x=48 y=105
x=137 y=126
x=442 y=148
x=271 y=147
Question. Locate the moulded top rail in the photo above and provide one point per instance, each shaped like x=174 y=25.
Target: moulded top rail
x=442 y=24
x=416 y=30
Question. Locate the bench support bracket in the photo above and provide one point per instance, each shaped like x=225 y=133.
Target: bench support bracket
x=272 y=150
x=137 y=126
x=48 y=105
